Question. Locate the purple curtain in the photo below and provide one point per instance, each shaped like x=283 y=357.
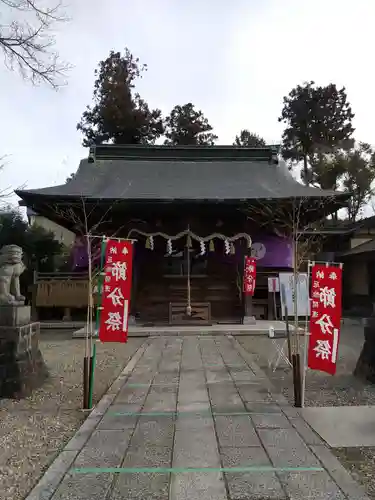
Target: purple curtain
x=79 y=257
x=270 y=251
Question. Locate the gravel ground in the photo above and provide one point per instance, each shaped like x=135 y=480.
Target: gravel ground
x=323 y=390
x=34 y=430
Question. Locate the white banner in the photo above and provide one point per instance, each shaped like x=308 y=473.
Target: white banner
x=287 y=284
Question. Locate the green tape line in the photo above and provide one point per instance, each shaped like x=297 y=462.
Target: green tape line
x=225 y=366
x=242 y=382
x=151 y=385
x=184 y=413
x=158 y=413
x=181 y=470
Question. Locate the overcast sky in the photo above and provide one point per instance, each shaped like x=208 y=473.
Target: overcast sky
x=235 y=61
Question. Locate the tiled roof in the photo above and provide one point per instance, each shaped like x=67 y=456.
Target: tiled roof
x=209 y=174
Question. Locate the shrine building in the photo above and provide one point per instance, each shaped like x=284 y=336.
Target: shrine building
x=193 y=212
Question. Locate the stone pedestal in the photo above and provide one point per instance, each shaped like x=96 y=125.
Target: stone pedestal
x=249 y=318
x=22 y=367
x=14 y=316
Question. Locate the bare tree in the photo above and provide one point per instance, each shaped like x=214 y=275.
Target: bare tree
x=290 y=223
x=304 y=229
x=5 y=192
x=28 y=42
x=87 y=225
x=295 y=223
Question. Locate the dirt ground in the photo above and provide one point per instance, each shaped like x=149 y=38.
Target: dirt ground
x=343 y=389
x=34 y=430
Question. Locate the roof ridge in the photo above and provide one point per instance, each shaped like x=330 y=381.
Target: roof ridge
x=187 y=153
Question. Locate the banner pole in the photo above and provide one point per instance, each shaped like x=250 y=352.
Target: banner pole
x=93 y=354
x=305 y=349
x=100 y=284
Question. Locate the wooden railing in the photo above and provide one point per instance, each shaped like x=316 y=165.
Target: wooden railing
x=60 y=276
x=62 y=289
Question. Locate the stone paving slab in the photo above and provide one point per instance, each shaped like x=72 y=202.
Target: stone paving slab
x=236 y=431
x=248 y=484
x=195 y=418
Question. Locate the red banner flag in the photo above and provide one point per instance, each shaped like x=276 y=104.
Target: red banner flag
x=116 y=291
x=325 y=317
x=250 y=273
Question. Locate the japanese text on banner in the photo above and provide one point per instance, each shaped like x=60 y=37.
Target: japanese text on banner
x=116 y=291
x=325 y=317
x=250 y=272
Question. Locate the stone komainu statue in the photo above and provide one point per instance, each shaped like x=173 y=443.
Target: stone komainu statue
x=11 y=268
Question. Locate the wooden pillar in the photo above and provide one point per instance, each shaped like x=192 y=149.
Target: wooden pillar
x=249 y=318
x=34 y=290
x=133 y=300
x=67 y=314
x=34 y=310
x=270 y=307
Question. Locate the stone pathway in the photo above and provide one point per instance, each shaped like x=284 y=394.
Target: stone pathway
x=195 y=418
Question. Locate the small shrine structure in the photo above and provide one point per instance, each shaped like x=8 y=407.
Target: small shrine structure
x=187 y=209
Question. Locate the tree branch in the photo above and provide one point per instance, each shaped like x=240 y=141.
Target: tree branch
x=27 y=41
x=306 y=236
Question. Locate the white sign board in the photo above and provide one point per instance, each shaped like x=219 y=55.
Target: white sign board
x=303 y=303
x=273 y=284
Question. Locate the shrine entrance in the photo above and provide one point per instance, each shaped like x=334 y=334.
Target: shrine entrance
x=187 y=279
x=188 y=269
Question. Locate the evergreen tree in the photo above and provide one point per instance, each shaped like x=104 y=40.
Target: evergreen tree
x=249 y=140
x=318 y=120
x=119 y=115
x=187 y=126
